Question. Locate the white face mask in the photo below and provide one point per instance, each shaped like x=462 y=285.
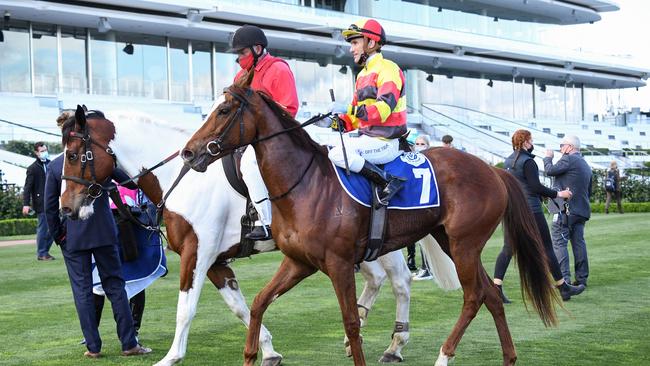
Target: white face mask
x=44 y=155
x=419 y=148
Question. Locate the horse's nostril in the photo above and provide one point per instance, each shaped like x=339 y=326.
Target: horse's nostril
x=187 y=155
x=66 y=211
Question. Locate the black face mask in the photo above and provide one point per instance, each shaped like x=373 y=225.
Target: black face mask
x=530 y=151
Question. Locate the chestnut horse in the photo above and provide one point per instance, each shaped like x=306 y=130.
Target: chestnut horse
x=203 y=223
x=318 y=227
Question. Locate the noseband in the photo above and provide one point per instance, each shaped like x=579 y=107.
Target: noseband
x=216 y=147
x=94 y=189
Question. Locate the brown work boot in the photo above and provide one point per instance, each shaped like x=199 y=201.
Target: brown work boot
x=137 y=351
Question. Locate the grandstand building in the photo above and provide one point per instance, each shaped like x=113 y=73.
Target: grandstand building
x=476 y=69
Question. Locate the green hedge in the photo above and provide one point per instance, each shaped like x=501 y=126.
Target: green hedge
x=627 y=207
x=13 y=227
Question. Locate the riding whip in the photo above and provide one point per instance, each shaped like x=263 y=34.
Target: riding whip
x=339 y=126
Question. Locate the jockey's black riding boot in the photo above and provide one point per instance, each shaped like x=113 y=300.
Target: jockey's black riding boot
x=388 y=184
x=260 y=233
x=504 y=298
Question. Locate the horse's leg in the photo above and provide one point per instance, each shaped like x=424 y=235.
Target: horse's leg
x=469 y=268
x=374 y=275
x=342 y=276
x=192 y=277
x=495 y=305
x=400 y=279
x=289 y=274
x=224 y=279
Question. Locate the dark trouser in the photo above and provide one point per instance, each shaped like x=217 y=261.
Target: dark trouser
x=503 y=260
x=79 y=267
x=617 y=196
x=425 y=265
x=410 y=257
x=575 y=232
x=137 y=309
x=43 y=238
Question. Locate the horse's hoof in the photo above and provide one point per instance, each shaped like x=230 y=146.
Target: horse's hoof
x=167 y=362
x=390 y=358
x=273 y=361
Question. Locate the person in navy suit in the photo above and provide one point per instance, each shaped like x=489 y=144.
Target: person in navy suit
x=79 y=240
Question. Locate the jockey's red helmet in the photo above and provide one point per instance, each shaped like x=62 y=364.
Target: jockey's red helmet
x=369 y=28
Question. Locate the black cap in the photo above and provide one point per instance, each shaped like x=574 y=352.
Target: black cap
x=247 y=36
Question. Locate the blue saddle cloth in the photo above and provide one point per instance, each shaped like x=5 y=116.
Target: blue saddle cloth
x=419 y=191
x=150 y=264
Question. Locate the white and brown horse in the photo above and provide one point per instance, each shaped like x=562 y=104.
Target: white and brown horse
x=203 y=223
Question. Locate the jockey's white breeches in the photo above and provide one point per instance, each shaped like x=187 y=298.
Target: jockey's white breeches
x=362 y=148
x=256 y=188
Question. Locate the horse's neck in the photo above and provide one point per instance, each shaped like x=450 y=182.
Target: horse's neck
x=140 y=145
x=282 y=162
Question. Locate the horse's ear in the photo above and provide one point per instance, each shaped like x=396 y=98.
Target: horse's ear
x=84 y=107
x=246 y=79
x=80 y=116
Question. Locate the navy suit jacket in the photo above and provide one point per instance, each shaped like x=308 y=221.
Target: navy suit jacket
x=96 y=231
x=572 y=171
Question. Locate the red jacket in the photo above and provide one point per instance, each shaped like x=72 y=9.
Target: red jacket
x=274 y=77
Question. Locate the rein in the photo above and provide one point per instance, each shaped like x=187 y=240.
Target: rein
x=243 y=103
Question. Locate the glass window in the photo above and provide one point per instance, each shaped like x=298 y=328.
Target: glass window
x=73 y=58
x=45 y=58
x=103 y=55
x=314 y=82
x=141 y=66
x=14 y=59
x=225 y=70
x=179 y=64
x=201 y=70
x=154 y=57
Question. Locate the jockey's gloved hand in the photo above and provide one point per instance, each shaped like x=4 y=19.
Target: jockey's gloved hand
x=338 y=108
x=336 y=123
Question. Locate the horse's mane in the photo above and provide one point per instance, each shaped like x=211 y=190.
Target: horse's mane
x=140 y=117
x=299 y=136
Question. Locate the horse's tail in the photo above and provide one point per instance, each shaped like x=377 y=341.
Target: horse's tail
x=441 y=267
x=522 y=233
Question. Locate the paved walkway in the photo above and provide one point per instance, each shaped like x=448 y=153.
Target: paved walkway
x=9 y=243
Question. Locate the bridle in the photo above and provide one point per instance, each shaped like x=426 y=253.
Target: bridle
x=94 y=189
x=217 y=144
x=243 y=104
x=215 y=147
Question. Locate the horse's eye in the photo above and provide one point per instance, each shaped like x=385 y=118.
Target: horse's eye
x=72 y=156
x=224 y=110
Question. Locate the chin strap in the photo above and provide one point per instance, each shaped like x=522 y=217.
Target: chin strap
x=364 y=56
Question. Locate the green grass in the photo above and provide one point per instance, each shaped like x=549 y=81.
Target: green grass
x=607 y=325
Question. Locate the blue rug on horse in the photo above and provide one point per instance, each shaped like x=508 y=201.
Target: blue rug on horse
x=420 y=190
x=150 y=264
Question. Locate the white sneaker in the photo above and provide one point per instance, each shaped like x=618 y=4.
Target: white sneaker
x=417 y=273
x=423 y=276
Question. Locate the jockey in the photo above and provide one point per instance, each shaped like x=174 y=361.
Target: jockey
x=378 y=110
x=274 y=77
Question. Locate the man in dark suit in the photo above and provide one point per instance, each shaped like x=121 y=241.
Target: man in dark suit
x=572 y=172
x=33 y=200
x=79 y=240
